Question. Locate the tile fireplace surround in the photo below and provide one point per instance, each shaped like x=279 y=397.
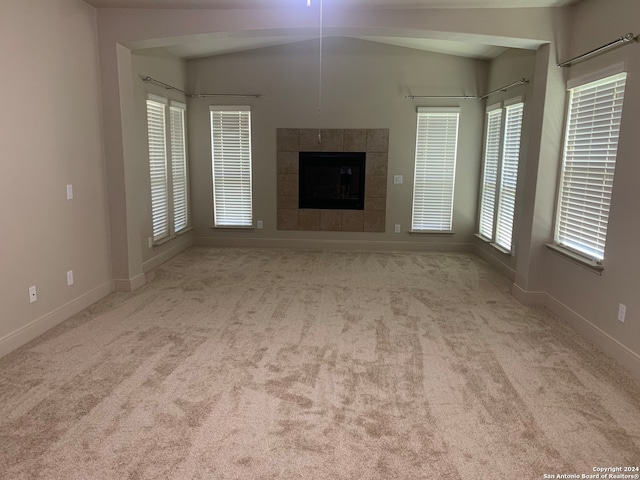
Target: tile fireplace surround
x=375 y=142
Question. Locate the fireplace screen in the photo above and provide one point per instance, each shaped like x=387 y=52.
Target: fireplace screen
x=332 y=180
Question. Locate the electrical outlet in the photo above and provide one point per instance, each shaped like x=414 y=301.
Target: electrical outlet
x=397 y=179
x=69 y=278
x=259 y=224
x=32 y=294
x=69 y=192
x=622 y=311
x=397 y=228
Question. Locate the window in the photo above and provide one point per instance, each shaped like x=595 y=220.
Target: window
x=167 y=167
x=435 y=166
x=231 y=159
x=179 y=167
x=490 y=174
x=588 y=164
x=500 y=174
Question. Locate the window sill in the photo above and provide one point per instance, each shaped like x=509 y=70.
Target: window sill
x=502 y=250
x=231 y=227
x=584 y=262
x=431 y=232
x=162 y=241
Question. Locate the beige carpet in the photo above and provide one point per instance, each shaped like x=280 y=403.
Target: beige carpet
x=268 y=364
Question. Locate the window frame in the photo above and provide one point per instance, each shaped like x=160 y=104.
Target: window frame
x=499 y=193
x=492 y=111
x=242 y=168
x=169 y=150
x=175 y=106
x=611 y=75
x=419 y=209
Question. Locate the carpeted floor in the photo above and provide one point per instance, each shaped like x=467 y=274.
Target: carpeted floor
x=273 y=364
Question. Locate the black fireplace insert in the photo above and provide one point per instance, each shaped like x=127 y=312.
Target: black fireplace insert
x=332 y=180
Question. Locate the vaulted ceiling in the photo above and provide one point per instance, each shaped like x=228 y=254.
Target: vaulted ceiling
x=218 y=43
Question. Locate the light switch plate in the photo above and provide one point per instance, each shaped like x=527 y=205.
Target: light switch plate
x=397 y=179
x=69 y=192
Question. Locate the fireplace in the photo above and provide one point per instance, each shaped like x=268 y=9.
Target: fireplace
x=372 y=143
x=331 y=180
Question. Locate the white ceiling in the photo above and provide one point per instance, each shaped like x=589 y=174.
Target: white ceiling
x=228 y=42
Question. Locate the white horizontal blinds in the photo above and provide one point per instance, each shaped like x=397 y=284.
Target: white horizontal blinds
x=509 y=175
x=179 y=167
x=591 y=144
x=231 y=150
x=156 y=128
x=490 y=174
x=435 y=164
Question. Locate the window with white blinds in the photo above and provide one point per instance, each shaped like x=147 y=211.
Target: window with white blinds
x=179 y=167
x=509 y=175
x=435 y=166
x=167 y=167
x=490 y=173
x=500 y=173
x=157 y=128
x=231 y=160
x=588 y=165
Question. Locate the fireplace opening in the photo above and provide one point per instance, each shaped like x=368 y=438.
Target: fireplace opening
x=331 y=180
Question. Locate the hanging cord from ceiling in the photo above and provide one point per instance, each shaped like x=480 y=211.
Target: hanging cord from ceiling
x=627 y=39
x=320 y=80
x=202 y=95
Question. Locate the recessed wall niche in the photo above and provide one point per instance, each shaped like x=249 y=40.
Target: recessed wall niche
x=291 y=141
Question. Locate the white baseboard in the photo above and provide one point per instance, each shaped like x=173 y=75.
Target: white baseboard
x=495 y=262
x=529 y=298
x=179 y=244
x=604 y=341
x=37 y=327
x=601 y=339
x=322 y=244
x=129 y=284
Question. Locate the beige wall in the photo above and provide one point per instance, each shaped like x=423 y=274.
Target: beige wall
x=52 y=50
x=505 y=69
x=51 y=136
x=121 y=30
x=577 y=291
x=161 y=65
x=363 y=86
